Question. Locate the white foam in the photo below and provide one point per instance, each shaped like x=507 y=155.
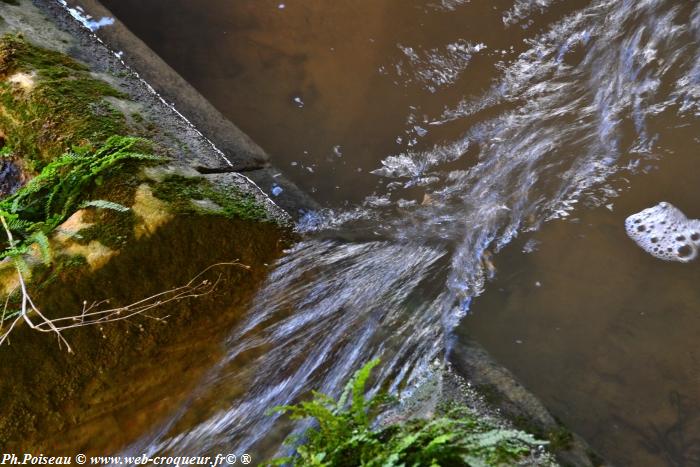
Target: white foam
x=665 y=232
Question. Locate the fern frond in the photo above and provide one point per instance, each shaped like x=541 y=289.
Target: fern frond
x=345 y=435
x=358 y=391
x=21 y=265
x=104 y=204
x=13 y=252
x=49 y=198
x=42 y=241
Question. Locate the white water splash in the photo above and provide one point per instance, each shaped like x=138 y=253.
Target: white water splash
x=86 y=20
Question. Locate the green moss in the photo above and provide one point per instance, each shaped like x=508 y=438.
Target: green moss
x=137 y=117
x=45 y=275
x=64 y=126
x=64 y=108
x=72 y=262
x=179 y=192
x=560 y=439
x=112 y=229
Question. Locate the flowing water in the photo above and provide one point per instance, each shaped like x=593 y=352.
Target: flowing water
x=476 y=161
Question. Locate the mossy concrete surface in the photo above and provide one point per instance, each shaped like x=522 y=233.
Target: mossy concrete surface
x=132 y=201
x=243 y=153
x=54 y=115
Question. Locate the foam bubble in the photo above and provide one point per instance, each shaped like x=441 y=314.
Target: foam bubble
x=665 y=232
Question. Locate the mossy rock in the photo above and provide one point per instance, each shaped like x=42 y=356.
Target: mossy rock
x=136 y=236
x=49 y=103
x=107 y=209
x=78 y=140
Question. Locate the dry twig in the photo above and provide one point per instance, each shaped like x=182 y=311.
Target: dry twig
x=95 y=313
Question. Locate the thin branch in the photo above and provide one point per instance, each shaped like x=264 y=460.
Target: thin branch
x=93 y=313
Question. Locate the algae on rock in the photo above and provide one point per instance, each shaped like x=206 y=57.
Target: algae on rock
x=121 y=238
x=93 y=179
x=50 y=103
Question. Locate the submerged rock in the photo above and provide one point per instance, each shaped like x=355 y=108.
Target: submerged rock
x=665 y=232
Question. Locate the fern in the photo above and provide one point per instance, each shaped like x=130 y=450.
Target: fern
x=358 y=391
x=104 y=204
x=21 y=265
x=14 y=252
x=348 y=435
x=42 y=241
x=49 y=198
x=61 y=183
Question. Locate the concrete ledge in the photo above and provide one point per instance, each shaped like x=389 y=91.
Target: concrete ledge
x=241 y=152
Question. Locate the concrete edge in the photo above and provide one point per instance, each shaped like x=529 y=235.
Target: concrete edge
x=237 y=152
x=240 y=150
x=244 y=154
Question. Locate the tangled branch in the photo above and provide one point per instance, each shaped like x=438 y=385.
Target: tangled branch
x=98 y=312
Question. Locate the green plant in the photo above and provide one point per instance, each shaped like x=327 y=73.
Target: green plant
x=35 y=210
x=348 y=435
x=64 y=105
x=50 y=197
x=64 y=128
x=179 y=192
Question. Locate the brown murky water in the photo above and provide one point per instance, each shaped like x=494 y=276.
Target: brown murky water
x=442 y=129
x=331 y=88
x=603 y=332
